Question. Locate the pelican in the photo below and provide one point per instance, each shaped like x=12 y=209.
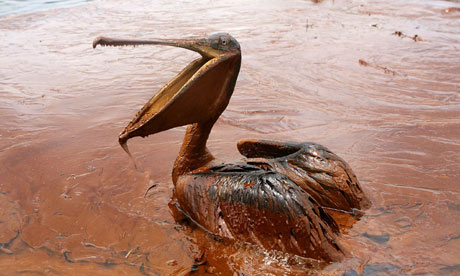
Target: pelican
x=278 y=197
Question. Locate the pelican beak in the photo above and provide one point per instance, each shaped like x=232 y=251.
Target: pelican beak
x=198 y=94
x=199 y=45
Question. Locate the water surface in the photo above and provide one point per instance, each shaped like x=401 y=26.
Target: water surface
x=28 y=6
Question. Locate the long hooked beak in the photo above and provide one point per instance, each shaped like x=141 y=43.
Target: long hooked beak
x=200 y=92
x=198 y=45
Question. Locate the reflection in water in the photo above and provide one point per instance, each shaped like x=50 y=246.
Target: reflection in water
x=72 y=202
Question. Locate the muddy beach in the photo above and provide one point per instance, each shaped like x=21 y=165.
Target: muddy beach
x=378 y=83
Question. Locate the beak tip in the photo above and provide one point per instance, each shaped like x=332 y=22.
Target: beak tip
x=98 y=41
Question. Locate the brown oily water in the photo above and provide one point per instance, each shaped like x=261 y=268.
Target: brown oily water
x=377 y=82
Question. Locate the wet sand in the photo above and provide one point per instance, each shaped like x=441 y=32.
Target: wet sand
x=375 y=82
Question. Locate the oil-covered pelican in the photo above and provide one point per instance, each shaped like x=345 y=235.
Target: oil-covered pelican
x=277 y=197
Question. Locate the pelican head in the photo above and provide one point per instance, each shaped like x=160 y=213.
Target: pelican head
x=198 y=94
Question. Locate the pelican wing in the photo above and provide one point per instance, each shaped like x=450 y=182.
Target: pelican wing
x=320 y=172
x=260 y=207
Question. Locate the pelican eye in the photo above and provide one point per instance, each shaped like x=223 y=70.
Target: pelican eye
x=223 y=41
